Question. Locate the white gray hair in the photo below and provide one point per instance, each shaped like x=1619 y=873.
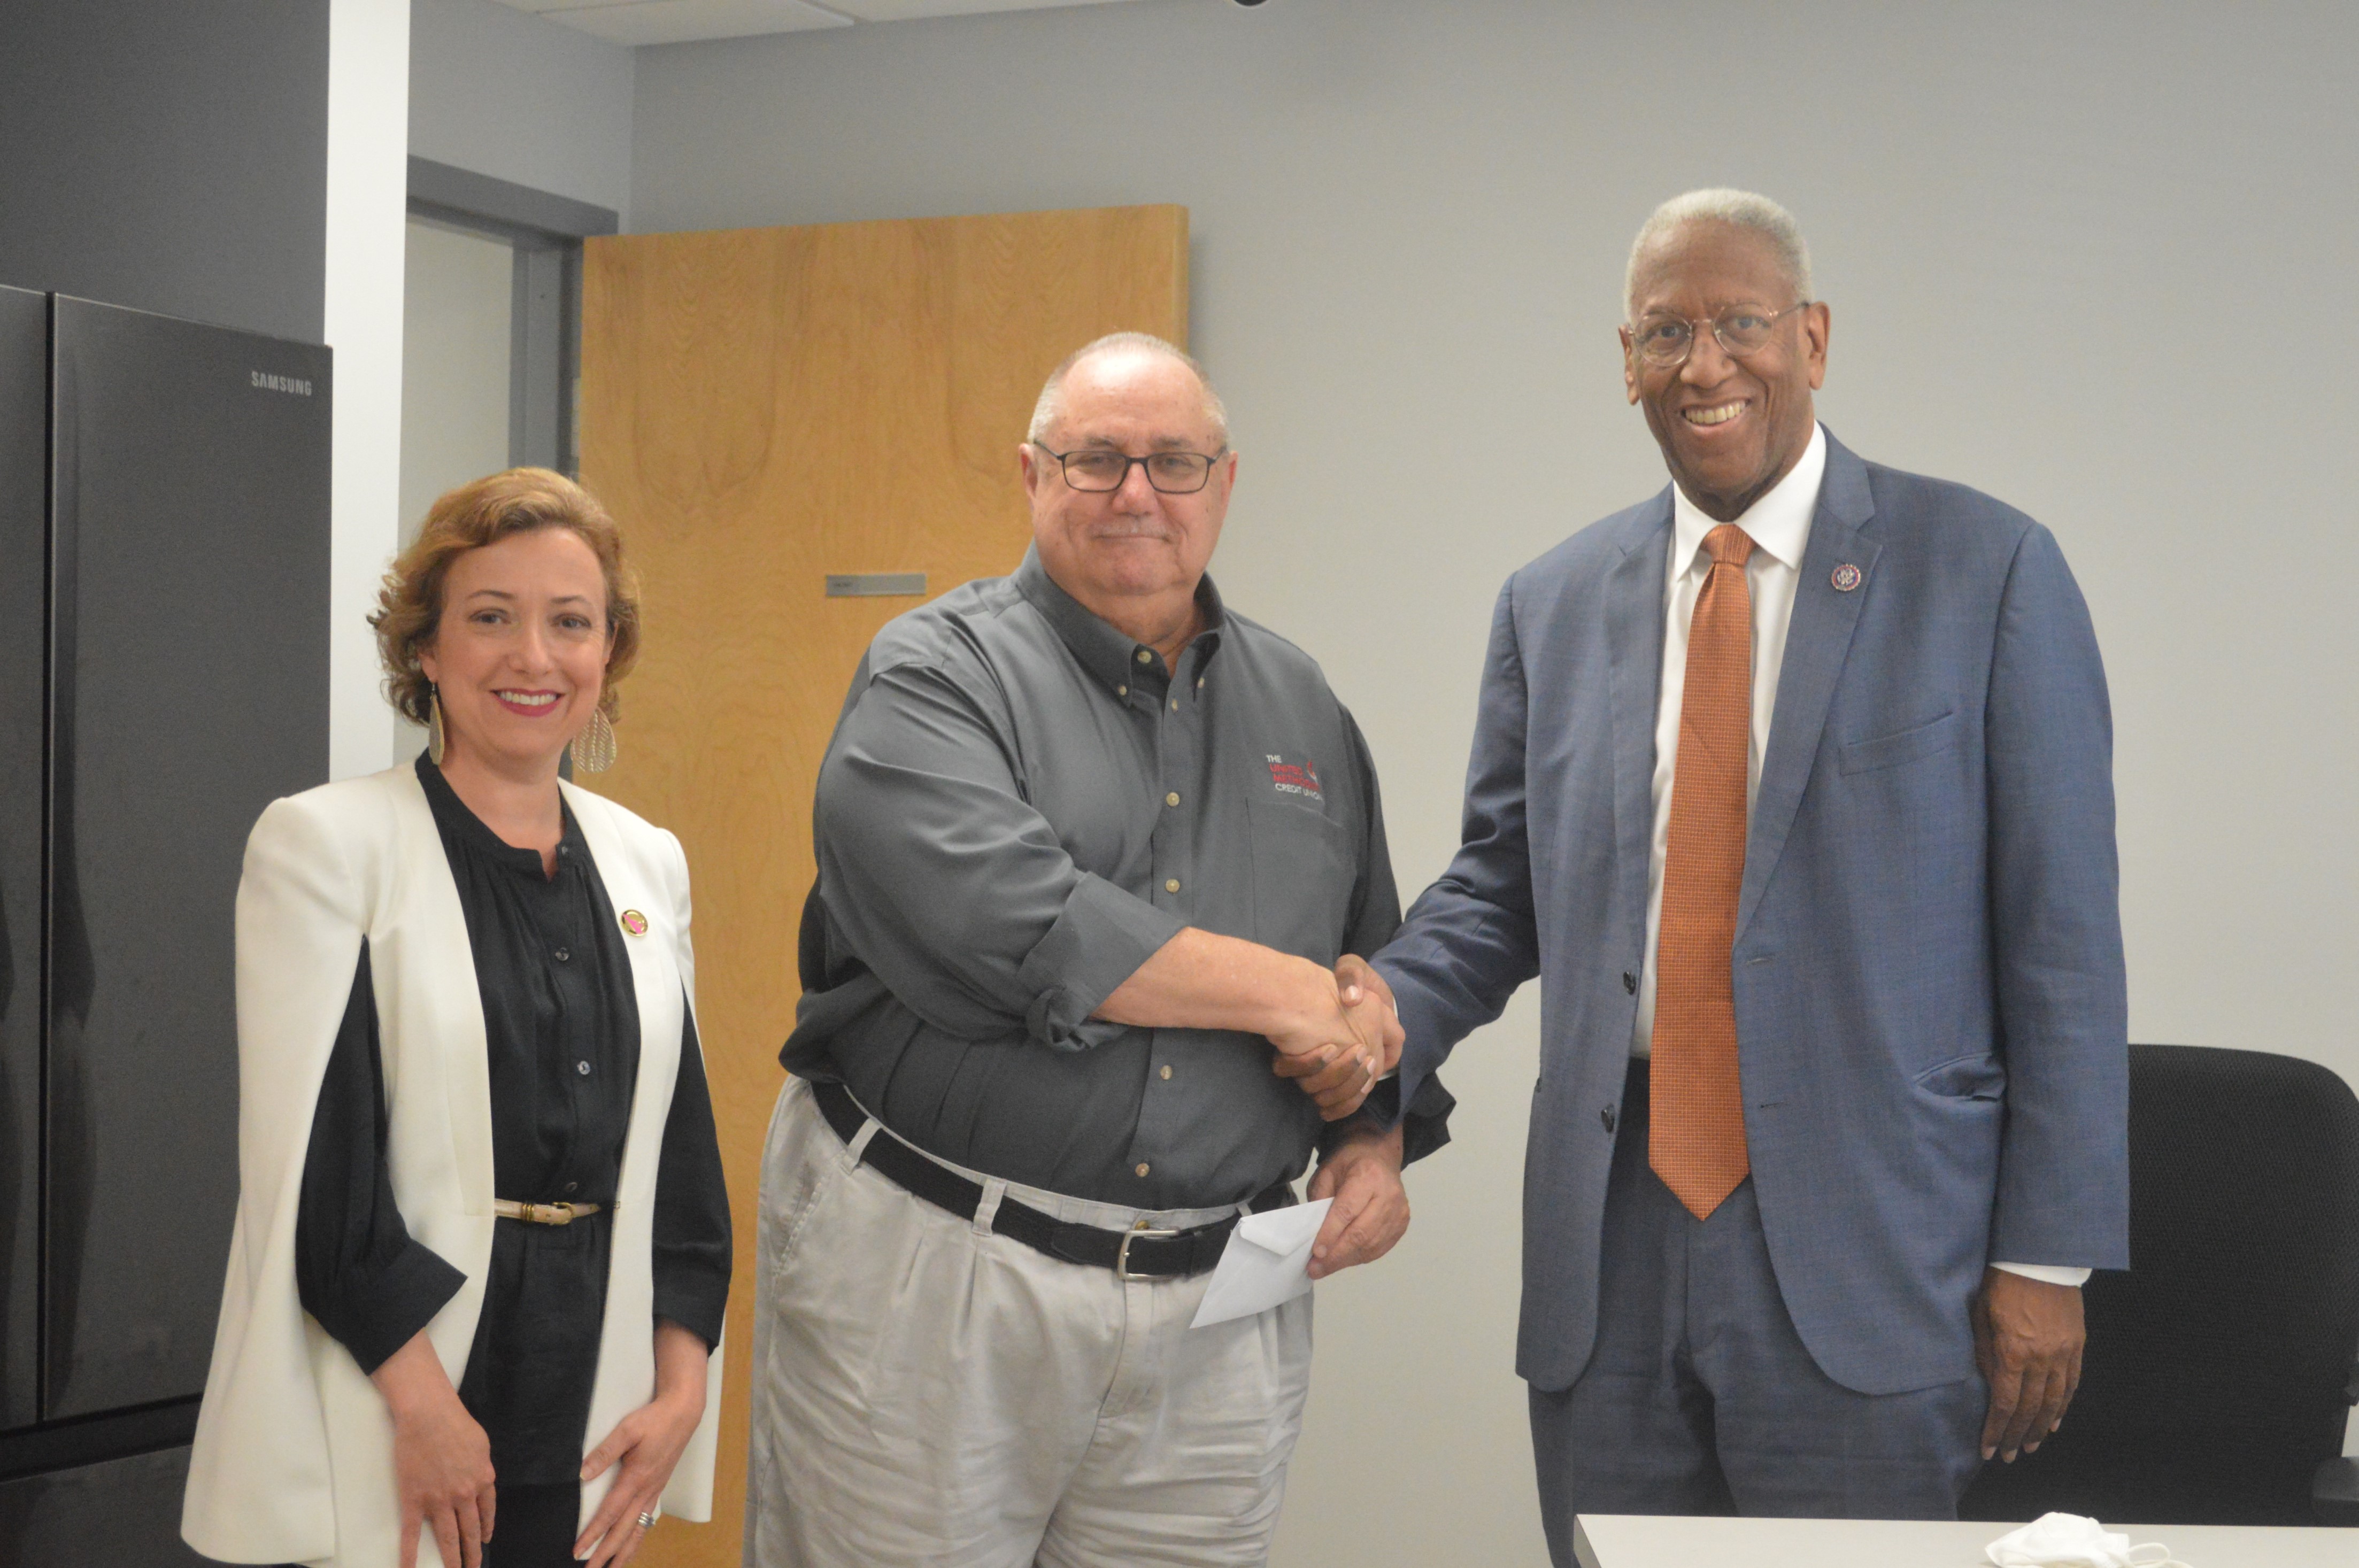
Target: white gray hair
x=1743 y=208
x=1052 y=394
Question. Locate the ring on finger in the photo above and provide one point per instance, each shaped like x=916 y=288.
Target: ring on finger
x=646 y=1522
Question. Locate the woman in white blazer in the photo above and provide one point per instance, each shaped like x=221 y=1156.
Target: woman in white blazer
x=473 y=1307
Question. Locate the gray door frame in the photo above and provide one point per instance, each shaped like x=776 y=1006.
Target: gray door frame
x=545 y=332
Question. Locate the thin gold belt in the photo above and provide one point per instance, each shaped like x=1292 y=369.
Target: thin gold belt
x=542 y=1213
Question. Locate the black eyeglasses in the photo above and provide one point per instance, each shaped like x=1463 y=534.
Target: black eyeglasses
x=1100 y=469
x=1665 y=341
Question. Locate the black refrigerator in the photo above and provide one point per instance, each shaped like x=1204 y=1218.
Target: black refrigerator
x=164 y=548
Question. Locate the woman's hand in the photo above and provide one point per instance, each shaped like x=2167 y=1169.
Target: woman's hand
x=441 y=1460
x=647 y=1443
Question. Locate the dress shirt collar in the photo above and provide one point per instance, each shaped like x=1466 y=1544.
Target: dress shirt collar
x=1780 y=522
x=1107 y=653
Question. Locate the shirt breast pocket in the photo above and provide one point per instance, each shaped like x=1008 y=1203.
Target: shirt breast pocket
x=1303 y=870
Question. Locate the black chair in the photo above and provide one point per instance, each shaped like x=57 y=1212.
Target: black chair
x=2221 y=1368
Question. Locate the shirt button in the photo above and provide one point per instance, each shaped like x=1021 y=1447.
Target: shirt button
x=1172 y=798
x=1171 y=884
x=573 y=1186
x=1199 y=683
x=563 y=955
x=1146 y=655
x=1167 y=1073
x=582 y=1068
x=1175 y=704
x=1122 y=691
x=1142 y=1168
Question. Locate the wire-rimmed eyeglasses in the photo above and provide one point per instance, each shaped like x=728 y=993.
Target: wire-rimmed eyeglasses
x=1098 y=470
x=1664 y=340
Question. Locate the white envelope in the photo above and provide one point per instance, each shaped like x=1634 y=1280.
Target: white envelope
x=1267 y=1261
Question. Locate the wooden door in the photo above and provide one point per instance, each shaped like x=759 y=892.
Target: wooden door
x=760 y=408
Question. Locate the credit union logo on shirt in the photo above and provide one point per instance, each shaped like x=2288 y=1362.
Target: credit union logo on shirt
x=1296 y=778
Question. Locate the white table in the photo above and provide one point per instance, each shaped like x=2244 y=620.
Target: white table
x=1641 y=1541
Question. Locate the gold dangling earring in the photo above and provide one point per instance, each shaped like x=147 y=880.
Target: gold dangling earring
x=434 y=742
x=593 y=748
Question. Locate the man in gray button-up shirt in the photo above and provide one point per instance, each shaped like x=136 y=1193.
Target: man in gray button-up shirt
x=1093 y=851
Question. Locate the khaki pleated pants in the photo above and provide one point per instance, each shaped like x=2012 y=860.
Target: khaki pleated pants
x=925 y=1392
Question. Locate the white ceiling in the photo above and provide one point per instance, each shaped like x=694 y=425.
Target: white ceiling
x=683 y=21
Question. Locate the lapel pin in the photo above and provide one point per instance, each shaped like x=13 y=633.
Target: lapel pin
x=1846 y=578
x=634 y=922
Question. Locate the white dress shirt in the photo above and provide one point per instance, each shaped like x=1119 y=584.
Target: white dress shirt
x=1780 y=526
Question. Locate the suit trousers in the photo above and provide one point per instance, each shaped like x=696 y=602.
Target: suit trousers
x=926 y=1392
x=1701 y=1399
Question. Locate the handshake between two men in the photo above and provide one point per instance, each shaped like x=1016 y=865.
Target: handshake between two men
x=1334 y=1033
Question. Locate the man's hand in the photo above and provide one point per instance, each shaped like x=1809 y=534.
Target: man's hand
x=1339 y=1074
x=1338 y=1050
x=1198 y=980
x=1317 y=1011
x=1337 y=1078
x=1362 y=1173
x=1363 y=990
x=2028 y=1336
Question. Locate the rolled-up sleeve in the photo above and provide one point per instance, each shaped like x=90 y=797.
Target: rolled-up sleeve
x=951 y=887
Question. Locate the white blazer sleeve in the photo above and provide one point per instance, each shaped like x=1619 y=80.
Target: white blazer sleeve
x=260 y=1490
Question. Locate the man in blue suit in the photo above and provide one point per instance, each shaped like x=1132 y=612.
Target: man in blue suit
x=1793 y=785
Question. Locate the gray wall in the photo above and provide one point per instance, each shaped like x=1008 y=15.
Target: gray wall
x=170 y=155
x=502 y=92
x=2094 y=259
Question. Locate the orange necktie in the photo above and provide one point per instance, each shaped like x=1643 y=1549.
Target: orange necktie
x=1696 y=1142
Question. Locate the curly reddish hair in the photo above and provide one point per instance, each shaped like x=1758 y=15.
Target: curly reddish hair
x=497 y=506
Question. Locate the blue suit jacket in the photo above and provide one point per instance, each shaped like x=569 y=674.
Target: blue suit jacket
x=1930 y=999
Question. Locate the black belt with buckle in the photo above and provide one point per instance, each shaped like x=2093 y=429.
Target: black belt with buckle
x=1135 y=1254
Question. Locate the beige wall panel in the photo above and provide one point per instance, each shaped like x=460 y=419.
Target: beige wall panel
x=761 y=408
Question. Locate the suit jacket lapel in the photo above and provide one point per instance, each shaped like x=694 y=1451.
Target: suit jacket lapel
x=1816 y=642
x=1634 y=632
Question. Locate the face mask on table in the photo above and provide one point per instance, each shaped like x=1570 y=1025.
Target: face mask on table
x=2067 y=1540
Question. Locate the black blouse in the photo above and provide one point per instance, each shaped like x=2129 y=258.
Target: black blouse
x=561 y=1026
